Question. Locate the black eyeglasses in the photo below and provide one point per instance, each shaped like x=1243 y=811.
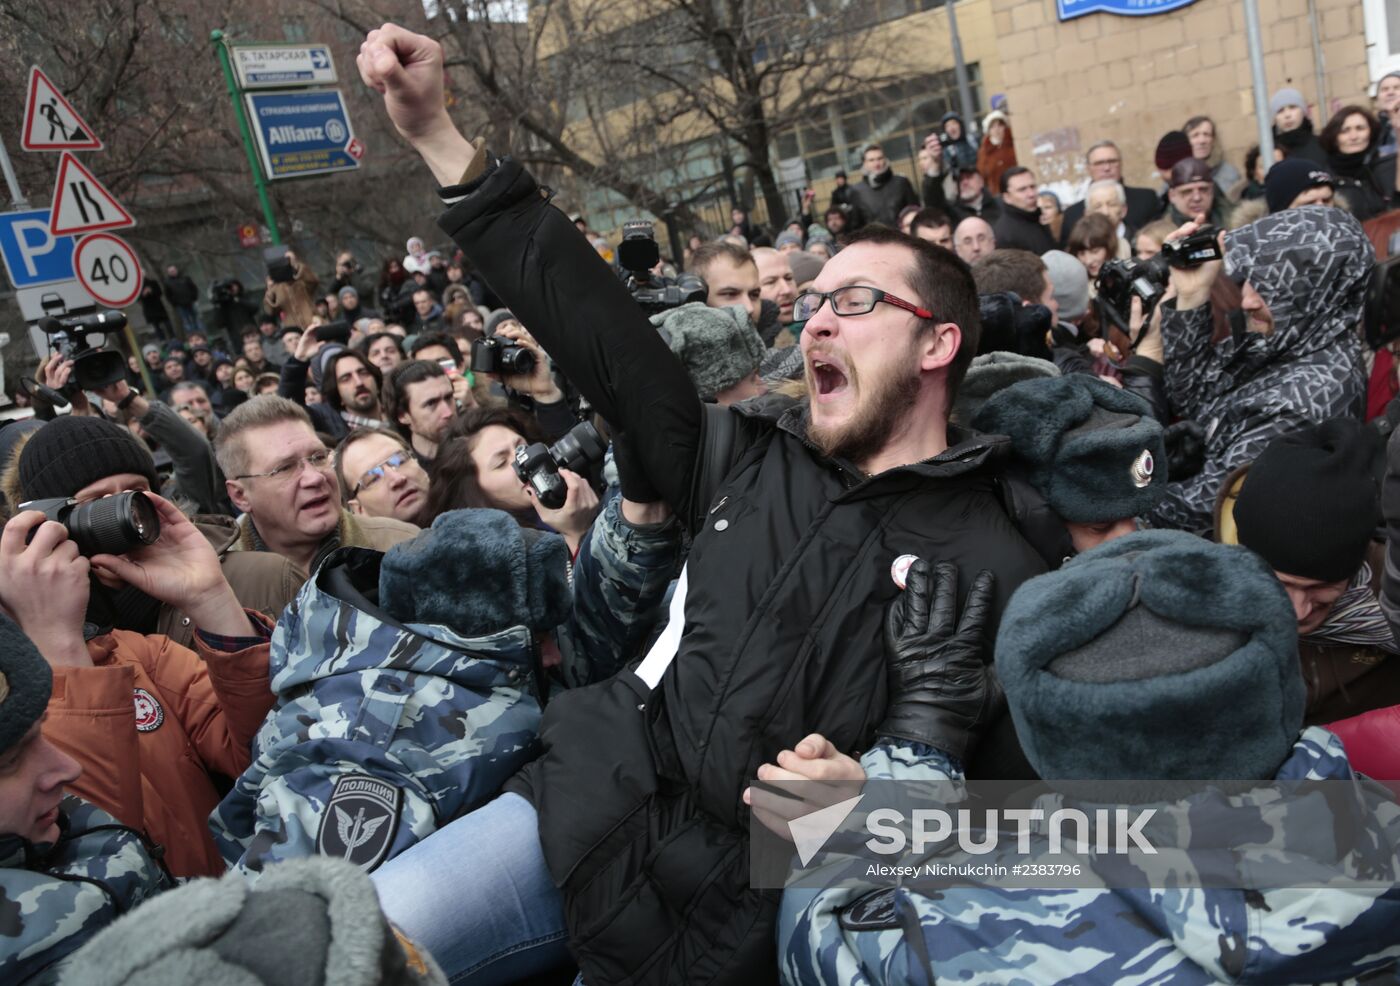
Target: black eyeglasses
x=857 y=299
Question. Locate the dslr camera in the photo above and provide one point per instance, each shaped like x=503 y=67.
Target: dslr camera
x=72 y=338
x=112 y=525
x=492 y=355
x=1119 y=281
x=637 y=254
x=538 y=465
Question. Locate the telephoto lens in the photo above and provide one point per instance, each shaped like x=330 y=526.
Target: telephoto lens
x=578 y=449
x=112 y=525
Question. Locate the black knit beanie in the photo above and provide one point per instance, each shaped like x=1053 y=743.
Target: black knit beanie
x=71 y=452
x=1310 y=504
x=25 y=683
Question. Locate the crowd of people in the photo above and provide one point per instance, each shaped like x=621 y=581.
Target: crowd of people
x=436 y=629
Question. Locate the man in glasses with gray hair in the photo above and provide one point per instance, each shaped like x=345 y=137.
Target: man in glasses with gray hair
x=279 y=474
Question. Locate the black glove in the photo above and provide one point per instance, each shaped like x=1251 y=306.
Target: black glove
x=941 y=691
x=1186 y=450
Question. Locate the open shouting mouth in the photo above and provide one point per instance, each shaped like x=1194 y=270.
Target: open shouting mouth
x=828 y=376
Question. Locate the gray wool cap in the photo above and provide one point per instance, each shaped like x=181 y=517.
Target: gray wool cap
x=1093 y=450
x=1112 y=663
x=1070 y=282
x=314 y=920
x=718 y=346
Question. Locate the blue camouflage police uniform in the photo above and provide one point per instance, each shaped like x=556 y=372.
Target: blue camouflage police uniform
x=384 y=732
x=53 y=898
x=1182 y=934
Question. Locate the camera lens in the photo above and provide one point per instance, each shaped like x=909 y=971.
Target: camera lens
x=581 y=446
x=517 y=360
x=114 y=525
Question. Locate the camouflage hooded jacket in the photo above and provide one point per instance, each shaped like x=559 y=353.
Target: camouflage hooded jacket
x=54 y=898
x=1184 y=933
x=384 y=732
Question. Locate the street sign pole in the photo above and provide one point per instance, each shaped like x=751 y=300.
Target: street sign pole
x=16 y=196
x=221 y=48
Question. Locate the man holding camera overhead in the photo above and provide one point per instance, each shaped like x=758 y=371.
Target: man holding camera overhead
x=1294 y=359
x=85 y=577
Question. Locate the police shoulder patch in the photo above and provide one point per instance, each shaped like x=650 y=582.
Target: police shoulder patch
x=360 y=820
x=870 y=912
x=149 y=714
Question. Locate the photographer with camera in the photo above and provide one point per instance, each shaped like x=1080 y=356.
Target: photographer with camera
x=234 y=312
x=291 y=287
x=476 y=467
x=347 y=274
x=84 y=459
x=149 y=720
x=1294 y=357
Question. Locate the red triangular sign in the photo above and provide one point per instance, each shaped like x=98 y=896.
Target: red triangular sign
x=50 y=122
x=81 y=203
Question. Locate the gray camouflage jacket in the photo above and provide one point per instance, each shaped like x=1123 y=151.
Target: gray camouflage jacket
x=384 y=732
x=54 y=898
x=1180 y=934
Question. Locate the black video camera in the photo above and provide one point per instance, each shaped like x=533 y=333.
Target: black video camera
x=112 y=525
x=637 y=254
x=1119 y=281
x=279 y=267
x=538 y=465
x=225 y=291
x=492 y=355
x=93 y=366
x=334 y=331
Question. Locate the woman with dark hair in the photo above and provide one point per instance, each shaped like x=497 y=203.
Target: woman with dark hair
x=391 y=279
x=1366 y=185
x=475 y=467
x=1093 y=242
x=1251 y=186
x=1200 y=131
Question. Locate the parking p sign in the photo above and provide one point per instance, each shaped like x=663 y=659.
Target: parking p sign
x=302 y=132
x=32 y=254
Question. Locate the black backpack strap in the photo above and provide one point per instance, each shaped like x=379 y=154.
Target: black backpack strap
x=717 y=444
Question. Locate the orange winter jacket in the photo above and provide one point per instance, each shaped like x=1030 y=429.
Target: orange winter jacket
x=150 y=722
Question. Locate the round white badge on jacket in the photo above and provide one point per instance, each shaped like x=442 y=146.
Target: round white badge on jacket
x=899 y=571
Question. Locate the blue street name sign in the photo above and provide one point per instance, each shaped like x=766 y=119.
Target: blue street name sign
x=1070 y=9
x=300 y=133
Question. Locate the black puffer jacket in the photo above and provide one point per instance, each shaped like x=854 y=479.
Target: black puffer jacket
x=639 y=790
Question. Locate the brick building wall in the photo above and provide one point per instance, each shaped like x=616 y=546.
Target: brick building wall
x=1132 y=79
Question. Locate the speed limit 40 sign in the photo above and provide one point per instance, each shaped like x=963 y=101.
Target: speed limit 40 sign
x=107 y=269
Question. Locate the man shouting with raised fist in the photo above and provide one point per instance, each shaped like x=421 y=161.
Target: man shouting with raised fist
x=802 y=513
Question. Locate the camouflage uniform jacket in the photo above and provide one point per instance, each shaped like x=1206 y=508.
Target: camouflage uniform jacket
x=381 y=733
x=54 y=898
x=621 y=576
x=1184 y=934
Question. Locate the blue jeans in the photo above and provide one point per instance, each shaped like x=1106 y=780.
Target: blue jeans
x=189 y=318
x=477 y=895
